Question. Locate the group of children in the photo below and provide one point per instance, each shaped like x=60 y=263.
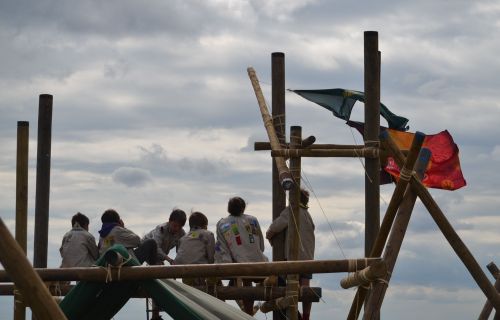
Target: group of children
x=239 y=239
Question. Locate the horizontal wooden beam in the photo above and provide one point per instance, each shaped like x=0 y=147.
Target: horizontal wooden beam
x=353 y=153
x=208 y=270
x=307 y=294
x=266 y=146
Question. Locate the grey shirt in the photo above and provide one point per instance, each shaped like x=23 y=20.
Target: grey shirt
x=239 y=239
x=119 y=235
x=306 y=234
x=164 y=239
x=196 y=247
x=78 y=248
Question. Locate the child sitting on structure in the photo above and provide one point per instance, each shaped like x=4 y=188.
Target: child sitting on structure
x=239 y=239
x=196 y=247
x=167 y=235
x=113 y=231
x=78 y=248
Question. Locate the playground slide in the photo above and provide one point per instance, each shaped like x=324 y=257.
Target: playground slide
x=101 y=301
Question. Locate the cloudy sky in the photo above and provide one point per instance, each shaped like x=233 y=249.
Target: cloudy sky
x=153 y=110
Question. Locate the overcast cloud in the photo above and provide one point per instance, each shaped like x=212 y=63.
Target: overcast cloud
x=153 y=110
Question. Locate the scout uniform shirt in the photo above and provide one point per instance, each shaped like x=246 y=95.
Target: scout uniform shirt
x=78 y=248
x=164 y=239
x=239 y=239
x=196 y=247
x=306 y=226
x=113 y=233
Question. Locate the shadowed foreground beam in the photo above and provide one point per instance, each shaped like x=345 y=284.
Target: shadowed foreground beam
x=207 y=270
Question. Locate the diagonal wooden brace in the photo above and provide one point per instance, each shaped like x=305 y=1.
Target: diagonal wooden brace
x=449 y=233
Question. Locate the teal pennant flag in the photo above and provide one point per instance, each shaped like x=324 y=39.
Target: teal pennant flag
x=341 y=102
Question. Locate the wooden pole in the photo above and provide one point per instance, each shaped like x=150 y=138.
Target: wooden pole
x=309 y=294
x=294 y=225
x=33 y=290
x=284 y=174
x=487 y=308
x=43 y=181
x=449 y=233
x=376 y=297
x=390 y=213
x=279 y=120
x=368 y=152
x=21 y=203
x=372 y=128
x=207 y=270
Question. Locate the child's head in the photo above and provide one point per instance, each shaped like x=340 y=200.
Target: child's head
x=110 y=216
x=304 y=197
x=236 y=206
x=176 y=221
x=81 y=219
x=198 y=220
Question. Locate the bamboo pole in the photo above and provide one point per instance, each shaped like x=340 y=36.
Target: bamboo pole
x=390 y=213
x=368 y=152
x=449 y=233
x=25 y=278
x=396 y=237
x=284 y=174
x=207 y=270
x=372 y=128
x=487 y=308
x=41 y=236
x=365 y=276
x=21 y=203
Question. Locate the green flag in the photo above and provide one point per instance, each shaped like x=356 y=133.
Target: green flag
x=341 y=102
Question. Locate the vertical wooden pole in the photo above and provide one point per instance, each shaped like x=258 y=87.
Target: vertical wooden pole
x=372 y=128
x=391 y=252
x=42 y=181
x=21 y=202
x=279 y=120
x=26 y=279
x=294 y=221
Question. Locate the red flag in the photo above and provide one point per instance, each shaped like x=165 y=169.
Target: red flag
x=443 y=171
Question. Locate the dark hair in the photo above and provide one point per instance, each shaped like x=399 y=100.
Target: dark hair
x=110 y=215
x=197 y=219
x=236 y=206
x=178 y=216
x=304 y=197
x=81 y=219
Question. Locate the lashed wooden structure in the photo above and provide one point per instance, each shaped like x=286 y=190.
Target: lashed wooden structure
x=381 y=240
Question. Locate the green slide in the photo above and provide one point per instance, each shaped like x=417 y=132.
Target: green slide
x=101 y=301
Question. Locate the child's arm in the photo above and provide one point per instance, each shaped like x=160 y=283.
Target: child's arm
x=279 y=224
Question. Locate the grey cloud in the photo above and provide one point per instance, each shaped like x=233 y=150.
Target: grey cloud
x=131 y=177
